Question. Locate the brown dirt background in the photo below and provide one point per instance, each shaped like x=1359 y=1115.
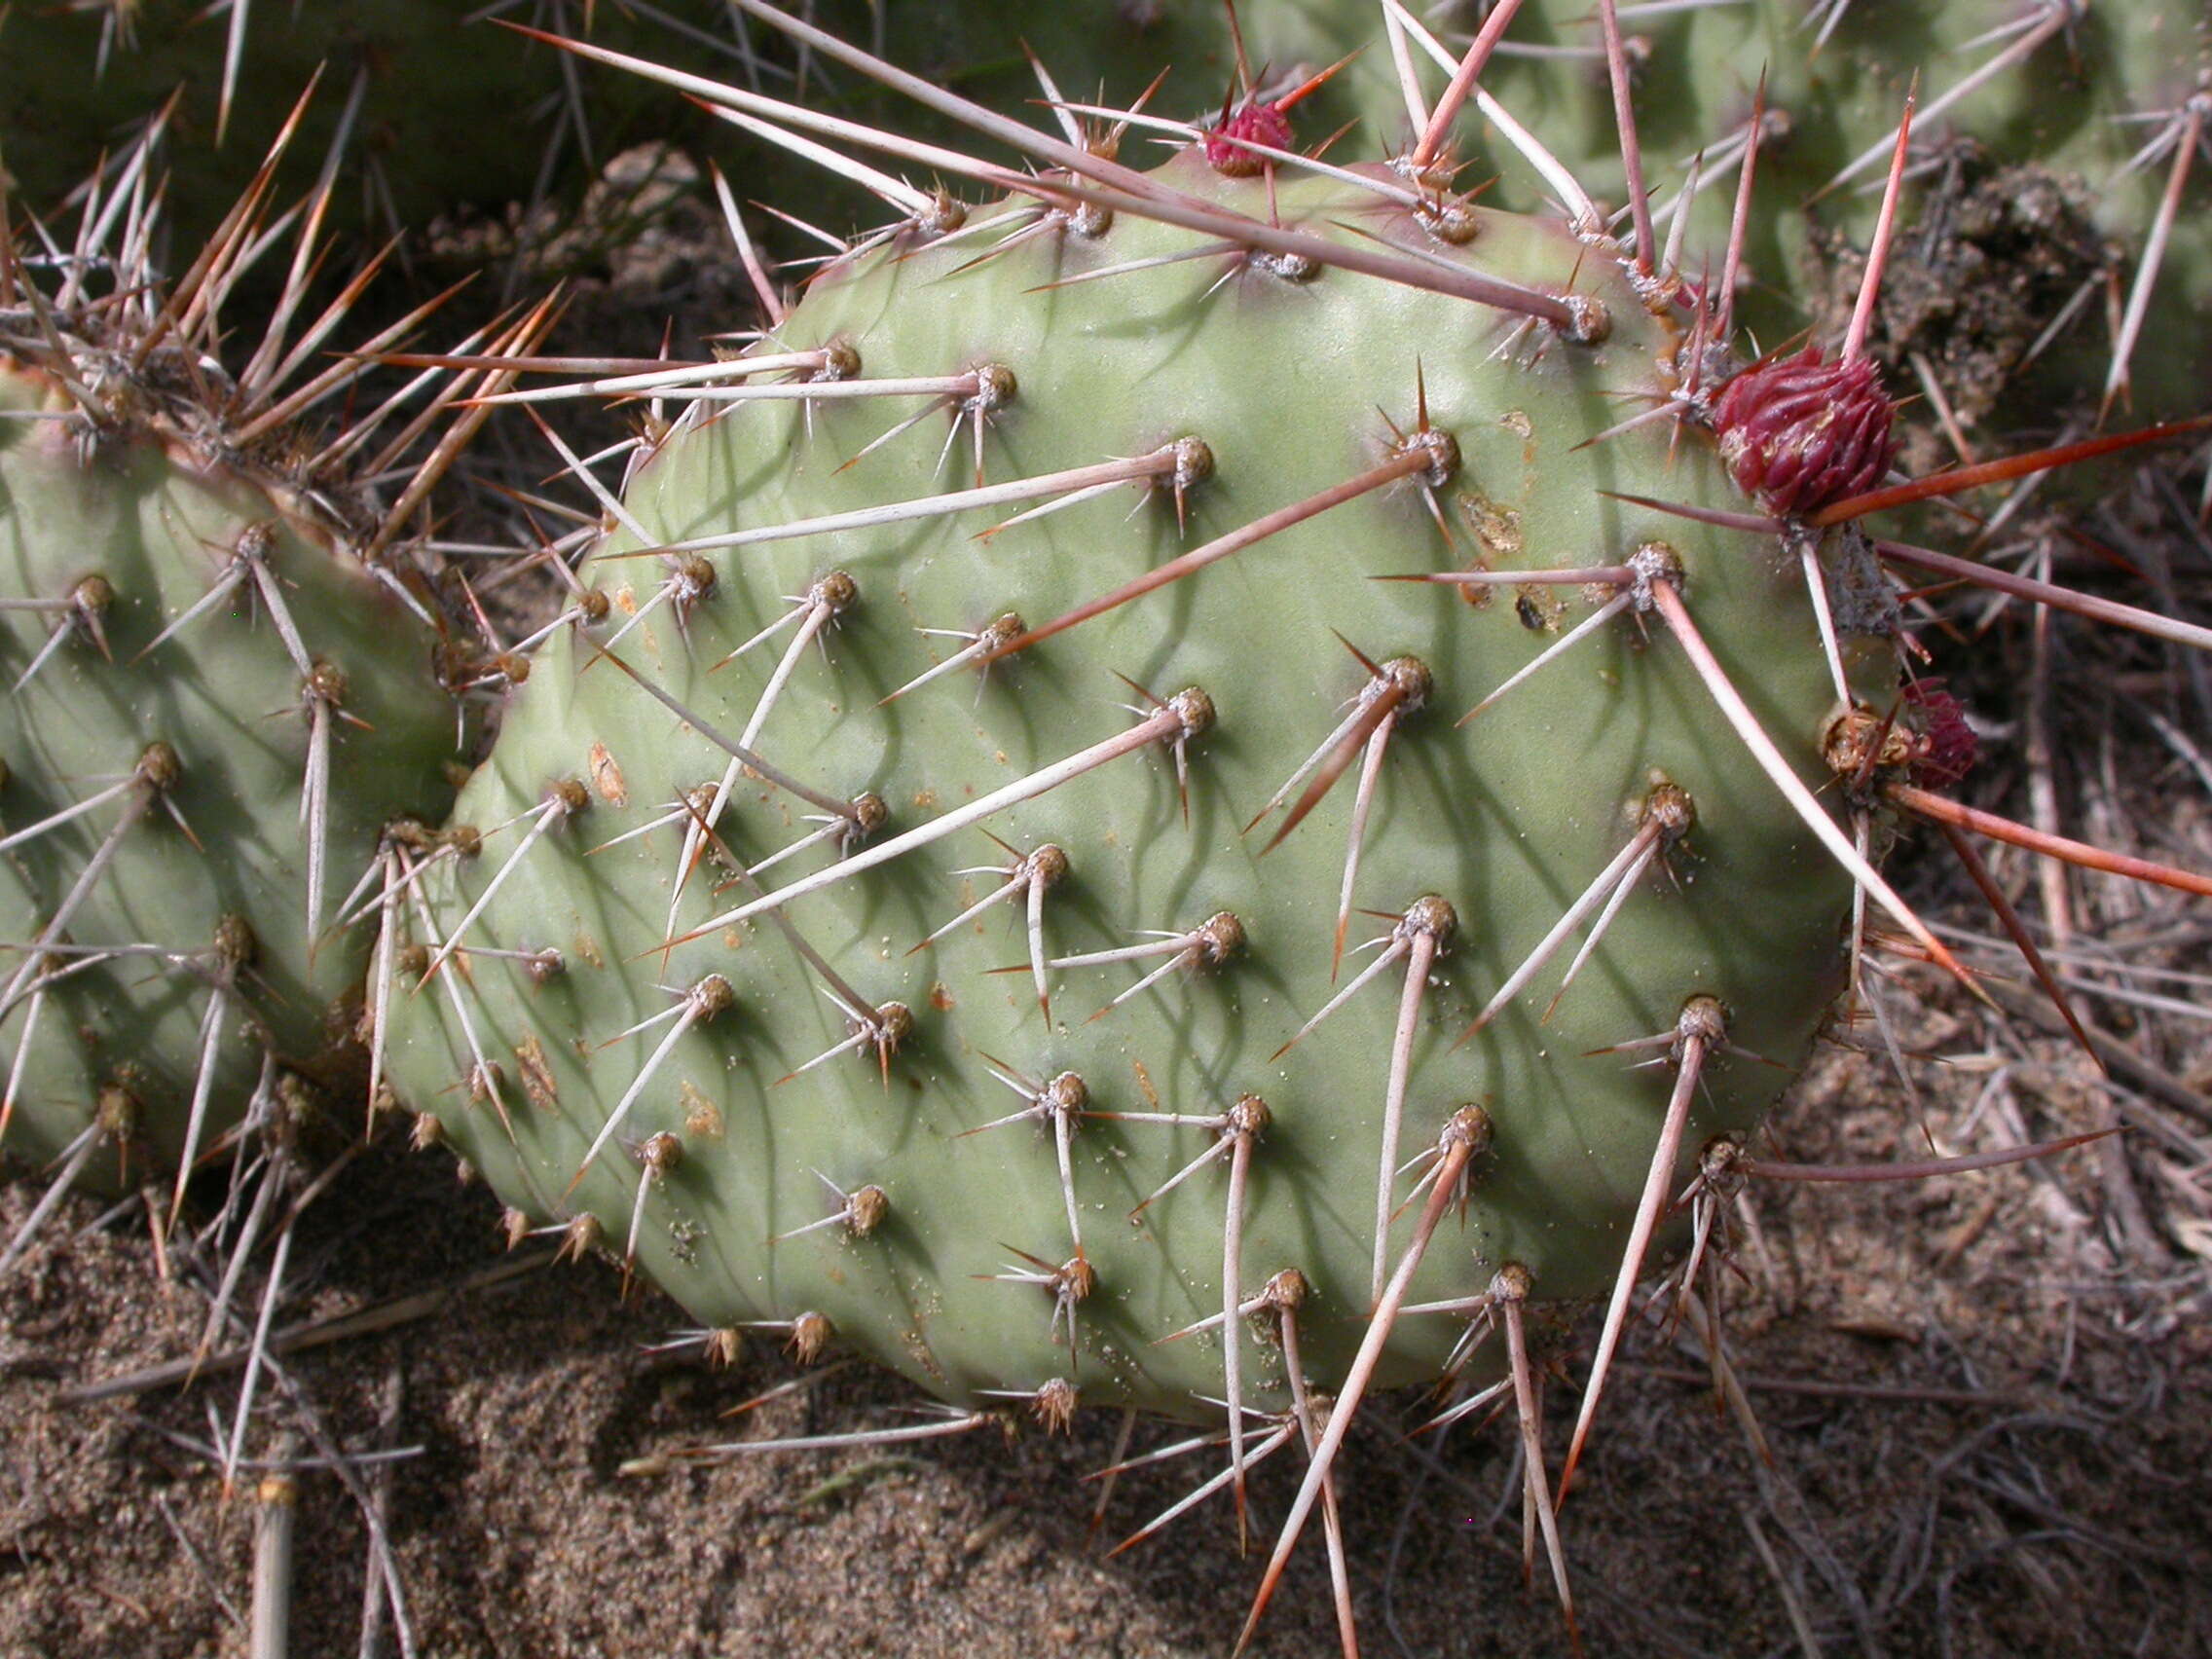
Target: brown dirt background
x=1988 y=1397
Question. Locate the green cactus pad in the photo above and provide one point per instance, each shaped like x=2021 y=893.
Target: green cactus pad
x=163 y=943
x=1294 y=384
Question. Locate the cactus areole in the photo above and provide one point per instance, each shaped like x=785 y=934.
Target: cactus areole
x=745 y=808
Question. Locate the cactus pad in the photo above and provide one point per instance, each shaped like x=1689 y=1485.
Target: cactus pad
x=1424 y=434
x=214 y=707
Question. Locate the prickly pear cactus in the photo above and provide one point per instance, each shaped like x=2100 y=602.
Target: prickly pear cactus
x=2061 y=155
x=828 y=970
x=214 y=708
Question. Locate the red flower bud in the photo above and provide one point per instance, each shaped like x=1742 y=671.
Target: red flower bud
x=1800 y=433
x=1948 y=748
x=1260 y=123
